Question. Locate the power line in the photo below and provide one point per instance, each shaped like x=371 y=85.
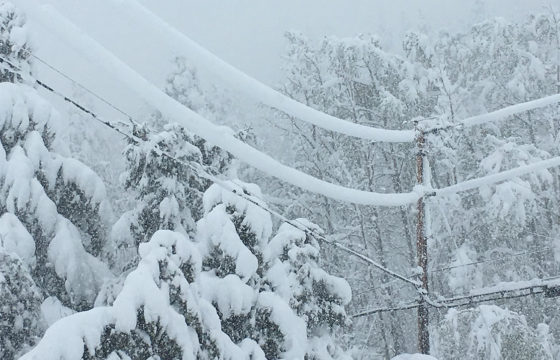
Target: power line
x=498 y=177
x=498 y=114
x=59 y=72
x=172 y=109
x=548 y=287
x=412 y=305
x=67 y=99
x=470 y=299
x=505 y=258
x=246 y=195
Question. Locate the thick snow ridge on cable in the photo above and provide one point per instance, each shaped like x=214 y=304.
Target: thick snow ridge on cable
x=235 y=78
x=511 y=110
x=501 y=176
x=176 y=112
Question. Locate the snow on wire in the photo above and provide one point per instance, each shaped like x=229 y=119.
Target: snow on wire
x=500 y=292
x=500 y=114
x=498 y=177
x=202 y=172
x=177 y=112
x=202 y=127
x=207 y=130
x=235 y=78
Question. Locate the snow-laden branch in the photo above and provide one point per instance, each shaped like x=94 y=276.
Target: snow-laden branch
x=501 y=176
x=295 y=223
x=176 y=112
x=238 y=80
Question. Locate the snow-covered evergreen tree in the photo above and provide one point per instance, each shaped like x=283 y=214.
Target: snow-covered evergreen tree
x=53 y=209
x=158 y=314
x=13 y=41
x=316 y=296
x=56 y=207
x=20 y=298
x=168 y=192
x=20 y=312
x=167 y=189
x=214 y=297
x=231 y=236
x=59 y=200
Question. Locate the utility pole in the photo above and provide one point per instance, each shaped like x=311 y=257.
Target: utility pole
x=421 y=243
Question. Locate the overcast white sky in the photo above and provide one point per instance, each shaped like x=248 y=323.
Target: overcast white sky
x=249 y=33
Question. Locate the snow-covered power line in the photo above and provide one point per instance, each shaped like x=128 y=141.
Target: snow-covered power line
x=234 y=78
x=199 y=170
x=28 y=52
x=501 y=114
x=176 y=112
x=514 y=290
x=498 y=177
x=503 y=258
x=210 y=132
x=511 y=110
x=549 y=287
x=409 y=306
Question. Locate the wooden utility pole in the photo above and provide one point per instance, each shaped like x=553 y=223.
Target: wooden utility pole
x=421 y=244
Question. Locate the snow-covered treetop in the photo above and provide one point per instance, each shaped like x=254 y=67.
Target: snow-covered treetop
x=155 y=301
x=255 y=217
x=61 y=202
x=13 y=40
